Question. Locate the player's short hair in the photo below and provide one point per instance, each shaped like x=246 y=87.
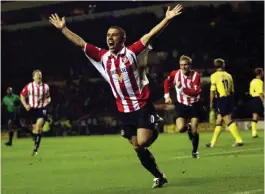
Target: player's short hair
x=185 y=58
x=258 y=71
x=35 y=71
x=122 y=31
x=219 y=63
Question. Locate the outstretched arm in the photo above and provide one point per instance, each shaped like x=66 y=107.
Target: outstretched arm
x=60 y=24
x=170 y=14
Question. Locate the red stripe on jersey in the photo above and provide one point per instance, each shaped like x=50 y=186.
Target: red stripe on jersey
x=122 y=85
x=33 y=95
x=43 y=94
x=118 y=98
x=38 y=95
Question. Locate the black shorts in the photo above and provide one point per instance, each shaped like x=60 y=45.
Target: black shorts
x=143 y=118
x=11 y=116
x=188 y=111
x=225 y=105
x=256 y=105
x=35 y=114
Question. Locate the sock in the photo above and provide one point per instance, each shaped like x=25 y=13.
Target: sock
x=234 y=131
x=37 y=141
x=254 y=127
x=195 y=142
x=184 y=129
x=148 y=161
x=11 y=134
x=216 y=133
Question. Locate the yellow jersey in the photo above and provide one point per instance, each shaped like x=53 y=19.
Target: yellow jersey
x=256 y=87
x=222 y=82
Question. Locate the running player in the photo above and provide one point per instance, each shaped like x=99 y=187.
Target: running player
x=11 y=102
x=129 y=84
x=222 y=88
x=256 y=90
x=188 y=87
x=38 y=95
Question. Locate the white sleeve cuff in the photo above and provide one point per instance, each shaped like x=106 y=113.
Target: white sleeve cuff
x=166 y=95
x=84 y=49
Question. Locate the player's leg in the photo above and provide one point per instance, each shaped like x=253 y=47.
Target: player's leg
x=10 y=132
x=37 y=128
x=233 y=129
x=217 y=131
x=195 y=136
x=145 y=138
x=255 y=117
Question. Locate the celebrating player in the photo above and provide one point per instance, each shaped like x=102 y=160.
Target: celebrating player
x=257 y=101
x=11 y=102
x=222 y=88
x=129 y=84
x=188 y=88
x=38 y=95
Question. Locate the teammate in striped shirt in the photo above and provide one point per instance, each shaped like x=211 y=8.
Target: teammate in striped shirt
x=256 y=91
x=188 y=87
x=120 y=68
x=35 y=97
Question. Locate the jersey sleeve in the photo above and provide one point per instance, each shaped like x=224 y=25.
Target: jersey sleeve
x=94 y=52
x=213 y=83
x=232 y=84
x=137 y=47
x=195 y=86
x=168 y=83
x=24 y=91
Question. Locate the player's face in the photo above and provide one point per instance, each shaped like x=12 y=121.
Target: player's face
x=9 y=91
x=114 y=40
x=37 y=77
x=184 y=66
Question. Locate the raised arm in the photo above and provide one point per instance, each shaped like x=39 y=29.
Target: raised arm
x=60 y=24
x=170 y=14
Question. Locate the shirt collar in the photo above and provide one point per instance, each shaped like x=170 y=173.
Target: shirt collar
x=120 y=53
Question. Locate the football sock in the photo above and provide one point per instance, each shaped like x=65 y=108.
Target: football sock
x=216 y=133
x=37 y=141
x=148 y=161
x=254 y=128
x=234 y=131
x=195 y=142
x=11 y=134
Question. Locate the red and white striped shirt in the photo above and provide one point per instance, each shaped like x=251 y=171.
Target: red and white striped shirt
x=189 y=92
x=128 y=84
x=37 y=94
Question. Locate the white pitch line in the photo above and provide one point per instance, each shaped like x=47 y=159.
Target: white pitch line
x=250 y=191
x=218 y=153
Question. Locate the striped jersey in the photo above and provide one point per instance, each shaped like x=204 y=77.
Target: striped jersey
x=37 y=94
x=128 y=83
x=189 y=92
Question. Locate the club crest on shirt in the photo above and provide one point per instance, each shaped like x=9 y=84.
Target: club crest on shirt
x=125 y=59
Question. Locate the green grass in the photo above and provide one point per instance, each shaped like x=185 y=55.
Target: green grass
x=108 y=165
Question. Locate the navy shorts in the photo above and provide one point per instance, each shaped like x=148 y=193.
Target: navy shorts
x=256 y=105
x=142 y=118
x=35 y=114
x=11 y=116
x=225 y=105
x=188 y=111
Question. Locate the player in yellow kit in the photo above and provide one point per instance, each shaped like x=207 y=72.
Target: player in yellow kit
x=222 y=89
x=256 y=91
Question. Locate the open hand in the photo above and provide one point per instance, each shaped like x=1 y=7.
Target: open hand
x=58 y=22
x=174 y=12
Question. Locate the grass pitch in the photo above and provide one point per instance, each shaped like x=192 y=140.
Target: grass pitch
x=108 y=165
